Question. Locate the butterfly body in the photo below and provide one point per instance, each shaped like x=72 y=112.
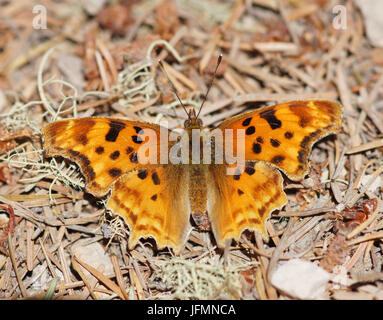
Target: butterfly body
x=157 y=198
x=195 y=169
x=198 y=195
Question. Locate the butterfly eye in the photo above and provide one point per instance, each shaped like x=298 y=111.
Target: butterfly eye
x=187 y=123
x=199 y=122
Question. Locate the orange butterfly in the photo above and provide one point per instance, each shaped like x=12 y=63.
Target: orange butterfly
x=157 y=199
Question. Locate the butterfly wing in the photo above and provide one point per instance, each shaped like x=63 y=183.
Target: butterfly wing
x=278 y=136
x=154 y=202
x=104 y=148
x=152 y=199
x=283 y=134
x=243 y=200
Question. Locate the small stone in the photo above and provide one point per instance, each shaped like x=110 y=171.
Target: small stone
x=92 y=7
x=300 y=279
x=372 y=18
x=94 y=255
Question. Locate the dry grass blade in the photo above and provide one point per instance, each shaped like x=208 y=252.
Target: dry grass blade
x=12 y=254
x=259 y=284
x=282 y=245
x=366 y=146
x=77 y=267
x=372 y=236
x=119 y=277
x=29 y=227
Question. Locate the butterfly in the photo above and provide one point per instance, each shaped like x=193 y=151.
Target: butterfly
x=158 y=199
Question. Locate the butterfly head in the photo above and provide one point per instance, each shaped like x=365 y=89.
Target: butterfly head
x=193 y=121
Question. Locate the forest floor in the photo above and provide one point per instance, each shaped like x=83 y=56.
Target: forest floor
x=73 y=59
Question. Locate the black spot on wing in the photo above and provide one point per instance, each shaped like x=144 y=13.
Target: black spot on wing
x=250 y=171
x=155 y=178
x=115 y=172
x=133 y=157
x=246 y=122
x=142 y=174
x=114 y=131
x=272 y=120
x=302 y=112
x=257 y=148
x=250 y=130
x=100 y=150
x=237 y=176
x=94 y=185
x=250 y=164
x=277 y=159
x=114 y=155
x=138 y=130
x=275 y=143
x=289 y=134
x=137 y=139
x=315 y=134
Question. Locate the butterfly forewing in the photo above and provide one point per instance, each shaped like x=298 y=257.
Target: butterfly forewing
x=283 y=134
x=105 y=149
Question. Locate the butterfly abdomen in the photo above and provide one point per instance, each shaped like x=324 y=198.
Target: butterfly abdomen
x=198 y=196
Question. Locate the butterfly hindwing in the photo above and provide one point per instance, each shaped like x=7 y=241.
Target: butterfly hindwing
x=154 y=202
x=243 y=200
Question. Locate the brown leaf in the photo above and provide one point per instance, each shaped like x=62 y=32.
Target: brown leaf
x=5 y=174
x=337 y=252
x=355 y=215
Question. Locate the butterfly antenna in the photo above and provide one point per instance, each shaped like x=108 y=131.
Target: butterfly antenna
x=173 y=86
x=211 y=83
